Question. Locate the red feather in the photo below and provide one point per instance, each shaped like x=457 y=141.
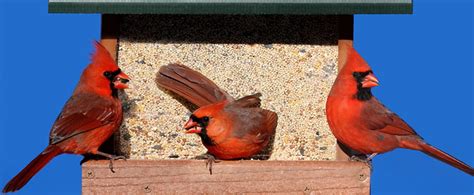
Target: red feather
x=88 y=118
x=236 y=128
x=365 y=125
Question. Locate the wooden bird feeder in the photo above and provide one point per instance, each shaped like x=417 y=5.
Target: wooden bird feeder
x=290 y=50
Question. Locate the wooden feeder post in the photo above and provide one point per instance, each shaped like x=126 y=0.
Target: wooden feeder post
x=110 y=28
x=336 y=175
x=345 y=41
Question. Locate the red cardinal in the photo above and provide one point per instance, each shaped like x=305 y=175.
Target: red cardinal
x=90 y=116
x=360 y=122
x=229 y=129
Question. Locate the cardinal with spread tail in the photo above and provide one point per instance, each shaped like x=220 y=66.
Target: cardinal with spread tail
x=90 y=117
x=229 y=128
x=360 y=122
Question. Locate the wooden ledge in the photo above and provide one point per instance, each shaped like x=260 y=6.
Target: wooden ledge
x=192 y=176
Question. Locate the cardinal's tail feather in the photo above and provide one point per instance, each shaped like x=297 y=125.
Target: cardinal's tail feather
x=190 y=84
x=443 y=156
x=31 y=169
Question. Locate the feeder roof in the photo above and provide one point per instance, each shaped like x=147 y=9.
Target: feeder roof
x=241 y=7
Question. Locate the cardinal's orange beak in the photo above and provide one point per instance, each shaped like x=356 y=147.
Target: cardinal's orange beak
x=121 y=80
x=370 y=81
x=192 y=127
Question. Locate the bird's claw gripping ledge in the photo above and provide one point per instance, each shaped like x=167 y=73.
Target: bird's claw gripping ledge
x=112 y=158
x=366 y=160
x=210 y=159
x=111 y=164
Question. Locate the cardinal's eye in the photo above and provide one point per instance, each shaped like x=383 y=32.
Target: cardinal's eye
x=356 y=74
x=107 y=74
x=205 y=119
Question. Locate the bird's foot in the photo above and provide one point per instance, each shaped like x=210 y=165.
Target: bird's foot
x=111 y=164
x=367 y=160
x=112 y=158
x=210 y=160
x=357 y=158
x=370 y=157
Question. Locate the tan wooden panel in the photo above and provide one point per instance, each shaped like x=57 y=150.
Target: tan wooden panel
x=345 y=41
x=110 y=28
x=191 y=176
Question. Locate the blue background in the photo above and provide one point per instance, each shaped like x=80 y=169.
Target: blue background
x=424 y=62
